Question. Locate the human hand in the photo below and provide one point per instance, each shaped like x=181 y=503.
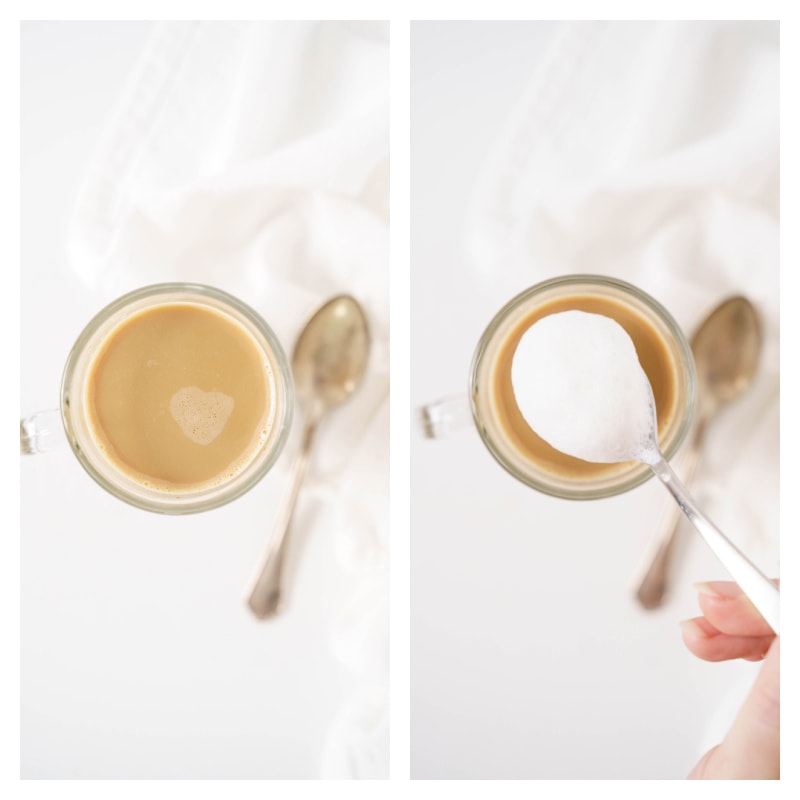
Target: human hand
x=732 y=628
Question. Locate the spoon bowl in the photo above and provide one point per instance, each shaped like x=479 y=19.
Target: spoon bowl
x=330 y=355
x=328 y=363
x=726 y=349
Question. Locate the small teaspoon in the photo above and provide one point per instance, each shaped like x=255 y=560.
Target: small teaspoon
x=328 y=363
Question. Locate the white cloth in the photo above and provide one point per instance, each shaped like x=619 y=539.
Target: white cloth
x=648 y=151
x=254 y=157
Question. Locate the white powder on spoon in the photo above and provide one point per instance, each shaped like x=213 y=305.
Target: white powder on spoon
x=579 y=385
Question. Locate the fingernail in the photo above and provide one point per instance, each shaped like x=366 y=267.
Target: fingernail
x=691 y=628
x=721 y=589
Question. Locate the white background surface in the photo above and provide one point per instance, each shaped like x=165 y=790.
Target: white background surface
x=138 y=656
x=530 y=657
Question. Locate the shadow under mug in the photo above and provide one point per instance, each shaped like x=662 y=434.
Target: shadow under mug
x=45 y=430
x=490 y=404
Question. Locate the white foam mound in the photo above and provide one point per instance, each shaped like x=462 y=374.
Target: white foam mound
x=579 y=385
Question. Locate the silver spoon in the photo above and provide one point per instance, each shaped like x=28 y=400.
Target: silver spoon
x=726 y=348
x=762 y=592
x=328 y=362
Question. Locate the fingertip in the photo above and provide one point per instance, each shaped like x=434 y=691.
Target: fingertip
x=719 y=589
x=691 y=628
x=697 y=635
x=730 y=610
x=703 y=640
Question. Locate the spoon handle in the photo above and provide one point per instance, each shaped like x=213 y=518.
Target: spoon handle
x=762 y=592
x=655 y=582
x=265 y=596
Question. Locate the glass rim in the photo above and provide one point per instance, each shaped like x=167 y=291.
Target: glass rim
x=207 y=497
x=640 y=474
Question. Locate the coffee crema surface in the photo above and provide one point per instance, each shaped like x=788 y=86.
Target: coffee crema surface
x=178 y=396
x=654 y=355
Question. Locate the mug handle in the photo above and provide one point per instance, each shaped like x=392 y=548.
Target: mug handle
x=41 y=432
x=446 y=416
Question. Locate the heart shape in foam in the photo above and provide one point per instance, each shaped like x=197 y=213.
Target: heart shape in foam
x=201 y=416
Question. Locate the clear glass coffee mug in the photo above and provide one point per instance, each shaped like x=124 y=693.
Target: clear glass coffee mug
x=46 y=430
x=491 y=408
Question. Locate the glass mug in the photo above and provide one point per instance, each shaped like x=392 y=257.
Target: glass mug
x=43 y=431
x=663 y=351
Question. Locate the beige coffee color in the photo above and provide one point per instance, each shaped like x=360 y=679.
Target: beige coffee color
x=178 y=396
